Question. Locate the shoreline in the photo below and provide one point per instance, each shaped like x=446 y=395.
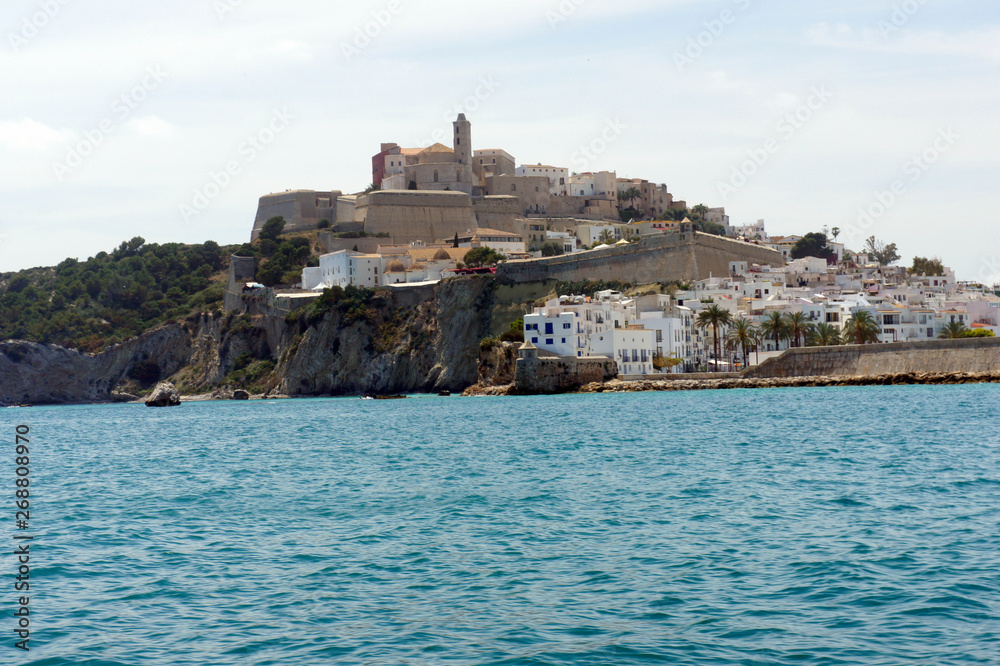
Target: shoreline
x=644 y=385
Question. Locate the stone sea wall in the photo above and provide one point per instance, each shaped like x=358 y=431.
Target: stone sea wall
x=933 y=356
x=678 y=257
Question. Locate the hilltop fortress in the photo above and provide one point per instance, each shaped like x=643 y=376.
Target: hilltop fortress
x=426 y=197
x=426 y=194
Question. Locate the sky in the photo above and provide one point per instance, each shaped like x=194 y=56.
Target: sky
x=169 y=120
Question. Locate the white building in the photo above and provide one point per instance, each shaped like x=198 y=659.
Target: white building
x=558 y=177
x=632 y=347
x=339 y=269
x=564 y=238
x=590 y=184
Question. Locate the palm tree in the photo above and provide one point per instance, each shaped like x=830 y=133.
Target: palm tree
x=742 y=334
x=798 y=327
x=715 y=317
x=861 y=328
x=824 y=335
x=953 y=329
x=607 y=237
x=776 y=327
x=632 y=194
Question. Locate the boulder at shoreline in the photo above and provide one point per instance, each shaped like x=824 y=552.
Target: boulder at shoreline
x=164 y=395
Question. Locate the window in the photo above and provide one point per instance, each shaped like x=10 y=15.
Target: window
x=435 y=176
x=564 y=340
x=567 y=325
x=534 y=341
x=549 y=341
x=548 y=328
x=513 y=187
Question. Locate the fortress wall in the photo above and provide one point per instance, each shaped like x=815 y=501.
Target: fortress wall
x=298 y=208
x=561 y=373
x=932 y=356
x=677 y=257
x=366 y=245
x=409 y=216
x=497 y=212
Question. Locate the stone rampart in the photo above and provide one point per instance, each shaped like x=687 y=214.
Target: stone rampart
x=409 y=216
x=667 y=257
x=559 y=374
x=932 y=356
x=302 y=209
x=497 y=212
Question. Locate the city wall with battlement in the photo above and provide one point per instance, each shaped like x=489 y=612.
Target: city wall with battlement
x=679 y=257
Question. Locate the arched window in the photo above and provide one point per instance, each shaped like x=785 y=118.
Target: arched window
x=435 y=175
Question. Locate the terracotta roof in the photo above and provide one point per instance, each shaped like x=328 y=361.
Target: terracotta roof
x=483 y=231
x=437 y=148
x=395 y=266
x=430 y=253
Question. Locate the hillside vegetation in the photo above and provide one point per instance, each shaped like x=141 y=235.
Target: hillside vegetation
x=111 y=297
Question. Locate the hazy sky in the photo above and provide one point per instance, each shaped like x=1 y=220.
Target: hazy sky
x=169 y=120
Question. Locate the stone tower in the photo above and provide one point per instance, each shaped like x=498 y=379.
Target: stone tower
x=463 y=140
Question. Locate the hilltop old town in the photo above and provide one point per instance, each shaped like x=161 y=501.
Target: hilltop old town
x=737 y=295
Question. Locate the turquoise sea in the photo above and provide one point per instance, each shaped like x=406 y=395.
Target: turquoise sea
x=785 y=526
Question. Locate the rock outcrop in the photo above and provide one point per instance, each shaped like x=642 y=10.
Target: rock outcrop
x=414 y=340
x=164 y=395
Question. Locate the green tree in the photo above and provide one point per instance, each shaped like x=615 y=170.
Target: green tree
x=454 y=243
x=861 y=328
x=824 y=335
x=775 y=326
x=812 y=245
x=925 y=266
x=743 y=335
x=798 y=327
x=715 y=317
x=552 y=249
x=606 y=237
x=880 y=251
x=953 y=330
x=482 y=256
x=272 y=228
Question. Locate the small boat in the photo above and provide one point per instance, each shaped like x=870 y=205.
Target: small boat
x=444 y=394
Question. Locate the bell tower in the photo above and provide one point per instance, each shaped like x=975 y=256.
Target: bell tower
x=463 y=140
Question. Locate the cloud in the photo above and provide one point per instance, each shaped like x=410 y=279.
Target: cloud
x=29 y=135
x=981 y=44
x=149 y=126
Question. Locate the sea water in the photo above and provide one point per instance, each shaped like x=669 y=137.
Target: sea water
x=784 y=526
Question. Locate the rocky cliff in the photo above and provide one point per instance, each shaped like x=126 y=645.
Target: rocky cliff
x=400 y=341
